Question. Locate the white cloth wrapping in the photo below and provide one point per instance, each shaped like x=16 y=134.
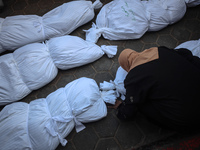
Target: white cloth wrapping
x=117 y=85
x=164 y=12
x=157 y=20
x=34 y=65
x=71 y=51
x=176 y=9
x=119 y=19
x=17 y=31
x=28 y=68
x=128 y=19
x=192 y=3
x=110 y=96
x=193 y=46
x=45 y=122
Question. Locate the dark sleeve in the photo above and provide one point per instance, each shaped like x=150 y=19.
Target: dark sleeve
x=187 y=54
x=138 y=85
x=126 y=111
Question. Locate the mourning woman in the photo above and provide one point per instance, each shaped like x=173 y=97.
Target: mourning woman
x=164 y=85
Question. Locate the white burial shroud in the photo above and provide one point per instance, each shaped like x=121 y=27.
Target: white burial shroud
x=45 y=122
x=34 y=65
x=130 y=19
x=17 y=31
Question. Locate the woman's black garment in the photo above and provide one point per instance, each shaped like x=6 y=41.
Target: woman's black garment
x=166 y=90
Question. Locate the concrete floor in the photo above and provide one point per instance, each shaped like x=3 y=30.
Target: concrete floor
x=111 y=133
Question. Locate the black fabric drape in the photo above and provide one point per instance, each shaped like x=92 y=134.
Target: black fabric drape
x=168 y=86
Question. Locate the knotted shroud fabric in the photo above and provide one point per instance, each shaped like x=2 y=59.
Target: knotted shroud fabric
x=17 y=31
x=45 y=122
x=116 y=86
x=128 y=19
x=34 y=65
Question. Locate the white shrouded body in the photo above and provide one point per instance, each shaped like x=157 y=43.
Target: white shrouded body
x=34 y=65
x=17 y=31
x=130 y=19
x=45 y=122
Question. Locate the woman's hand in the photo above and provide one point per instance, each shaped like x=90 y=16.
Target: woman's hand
x=117 y=103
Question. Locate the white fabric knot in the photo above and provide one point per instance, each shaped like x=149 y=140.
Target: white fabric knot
x=78 y=125
x=118 y=87
x=105 y=86
x=109 y=96
x=93 y=34
x=52 y=128
x=120 y=90
x=117 y=84
x=111 y=51
x=97 y=4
